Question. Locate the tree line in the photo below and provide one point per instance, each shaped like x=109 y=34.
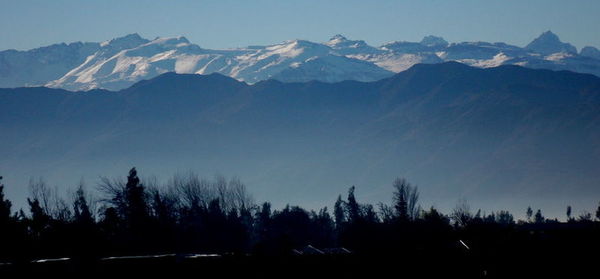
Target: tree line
x=191 y=214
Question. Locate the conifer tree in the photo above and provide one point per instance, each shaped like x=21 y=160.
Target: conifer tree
x=5 y=206
x=352 y=206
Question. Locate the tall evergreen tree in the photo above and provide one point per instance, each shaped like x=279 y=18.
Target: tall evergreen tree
x=39 y=218
x=5 y=206
x=405 y=200
x=539 y=218
x=136 y=207
x=529 y=213
x=353 y=207
x=81 y=208
x=338 y=212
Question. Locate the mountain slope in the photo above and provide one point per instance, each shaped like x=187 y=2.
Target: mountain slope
x=504 y=137
x=119 y=63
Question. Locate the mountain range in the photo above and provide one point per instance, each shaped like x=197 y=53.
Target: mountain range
x=119 y=63
x=504 y=137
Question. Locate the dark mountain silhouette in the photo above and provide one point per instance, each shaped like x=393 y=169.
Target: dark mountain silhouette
x=503 y=137
x=549 y=43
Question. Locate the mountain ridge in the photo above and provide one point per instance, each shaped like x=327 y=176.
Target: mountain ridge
x=118 y=63
x=502 y=136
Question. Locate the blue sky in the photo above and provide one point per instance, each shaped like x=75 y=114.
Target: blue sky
x=26 y=24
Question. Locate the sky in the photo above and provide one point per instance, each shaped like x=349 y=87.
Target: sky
x=26 y=24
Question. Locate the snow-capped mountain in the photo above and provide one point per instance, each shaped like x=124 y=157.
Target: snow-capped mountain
x=119 y=69
x=118 y=63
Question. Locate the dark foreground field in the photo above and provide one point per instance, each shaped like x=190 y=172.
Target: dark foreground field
x=450 y=262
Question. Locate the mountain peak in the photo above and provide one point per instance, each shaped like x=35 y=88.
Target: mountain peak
x=549 y=35
x=590 y=51
x=170 y=41
x=132 y=36
x=336 y=39
x=433 y=41
x=127 y=41
x=549 y=43
x=339 y=37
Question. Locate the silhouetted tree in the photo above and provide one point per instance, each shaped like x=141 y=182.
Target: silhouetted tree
x=529 y=213
x=41 y=192
x=585 y=217
x=6 y=237
x=433 y=216
x=164 y=206
x=39 y=220
x=598 y=212
x=135 y=211
x=5 y=206
x=111 y=227
x=369 y=214
x=568 y=213
x=387 y=213
x=81 y=208
x=461 y=214
x=539 y=218
x=353 y=208
x=478 y=215
x=324 y=228
x=505 y=218
x=291 y=228
x=264 y=215
x=193 y=215
x=405 y=200
x=338 y=212
x=490 y=219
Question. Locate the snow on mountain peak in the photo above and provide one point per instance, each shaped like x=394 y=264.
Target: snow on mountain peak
x=171 y=41
x=118 y=63
x=336 y=39
x=351 y=48
x=127 y=41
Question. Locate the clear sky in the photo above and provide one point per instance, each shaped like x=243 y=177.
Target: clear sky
x=26 y=24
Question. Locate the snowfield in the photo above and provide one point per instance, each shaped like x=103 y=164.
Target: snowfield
x=120 y=62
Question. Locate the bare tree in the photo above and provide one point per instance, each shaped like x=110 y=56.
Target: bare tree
x=461 y=214
x=240 y=198
x=60 y=208
x=164 y=203
x=50 y=201
x=193 y=191
x=386 y=213
x=220 y=186
x=39 y=190
x=113 y=191
x=585 y=217
x=196 y=192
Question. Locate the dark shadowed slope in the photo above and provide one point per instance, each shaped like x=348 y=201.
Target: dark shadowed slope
x=501 y=137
